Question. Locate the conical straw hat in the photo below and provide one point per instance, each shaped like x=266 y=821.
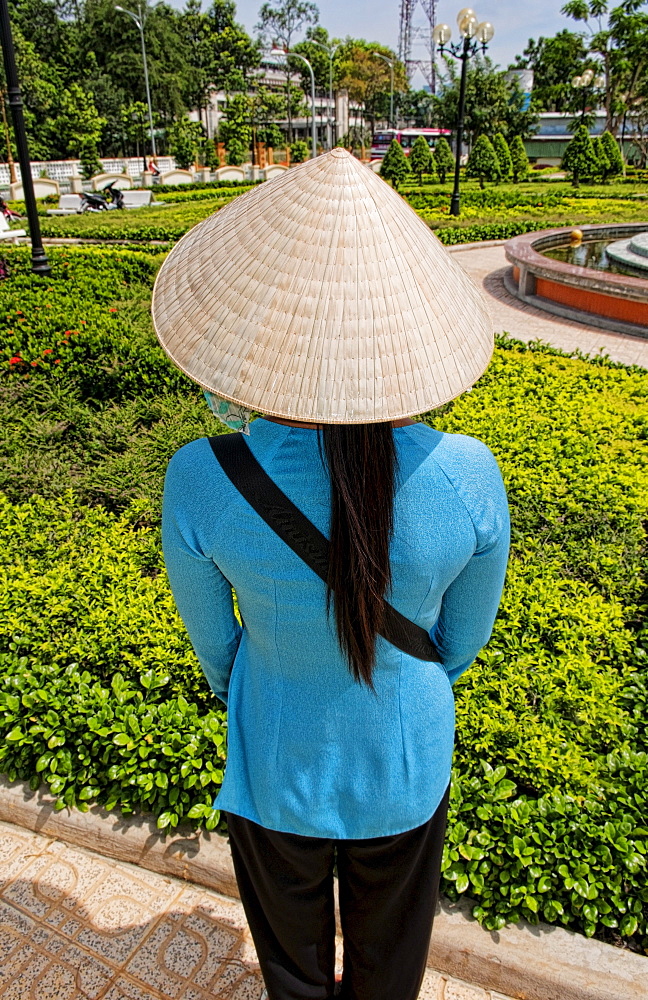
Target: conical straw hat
x=322 y=296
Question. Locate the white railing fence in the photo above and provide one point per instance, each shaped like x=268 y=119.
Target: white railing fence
x=60 y=170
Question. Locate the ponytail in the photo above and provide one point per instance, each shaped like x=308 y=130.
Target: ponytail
x=361 y=461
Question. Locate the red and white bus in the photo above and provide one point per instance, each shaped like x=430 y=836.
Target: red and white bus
x=405 y=136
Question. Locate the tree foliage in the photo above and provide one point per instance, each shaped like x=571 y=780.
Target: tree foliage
x=420 y=158
x=494 y=103
x=613 y=154
x=444 y=160
x=278 y=25
x=618 y=38
x=519 y=159
x=394 y=166
x=299 y=151
x=185 y=139
x=368 y=78
x=503 y=156
x=579 y=158
x=87 y=56
x=482 y=162
x=554 y=61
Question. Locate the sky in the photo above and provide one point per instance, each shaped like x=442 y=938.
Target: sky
x=515 y=21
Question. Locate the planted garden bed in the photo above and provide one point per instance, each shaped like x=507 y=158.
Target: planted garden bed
x=101 y=697
x=498 y=212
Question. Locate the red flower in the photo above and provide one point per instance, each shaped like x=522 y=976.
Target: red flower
x=112 y=310
x=33 y=363
x=17 y=360
x=48 y=350
x=58 y=361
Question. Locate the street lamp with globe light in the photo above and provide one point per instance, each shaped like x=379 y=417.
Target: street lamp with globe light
x=289 y=52
x=476 y=34
x=139 y=21
x=588 y=83
x=330 y=50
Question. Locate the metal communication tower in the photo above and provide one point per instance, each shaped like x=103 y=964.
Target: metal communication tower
x=408 y=32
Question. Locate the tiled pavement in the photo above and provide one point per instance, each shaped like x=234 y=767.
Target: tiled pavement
x=487 y=266
x=78 y=926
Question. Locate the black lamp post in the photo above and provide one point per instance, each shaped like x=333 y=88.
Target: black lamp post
x=40 y=264
x=475 y=36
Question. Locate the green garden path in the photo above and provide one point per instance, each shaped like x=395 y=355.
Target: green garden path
x=75 y=925
x=487 y=265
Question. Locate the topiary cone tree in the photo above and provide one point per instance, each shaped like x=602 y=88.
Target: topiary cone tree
x=613 y=154
x=394 y=166
x=503 y=155
x=482 y=162
x=579 y=158
x=602 y=162
x=519 y=159
x=420 y=158
x=443 y=158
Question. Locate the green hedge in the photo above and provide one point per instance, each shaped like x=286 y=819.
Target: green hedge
x=236 y=186
x=100 y=694
x=164 y=222
x=495 y=231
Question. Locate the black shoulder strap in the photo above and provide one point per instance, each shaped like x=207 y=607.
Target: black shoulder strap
x=301 y=535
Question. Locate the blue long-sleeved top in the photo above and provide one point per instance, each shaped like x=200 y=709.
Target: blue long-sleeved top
x=311 y=751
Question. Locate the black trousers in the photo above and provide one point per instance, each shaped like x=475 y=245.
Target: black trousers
x=388 y=889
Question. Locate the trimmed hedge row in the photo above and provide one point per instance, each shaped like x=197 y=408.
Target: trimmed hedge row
x=166 y=223
x=495 y=231
x=100 y=694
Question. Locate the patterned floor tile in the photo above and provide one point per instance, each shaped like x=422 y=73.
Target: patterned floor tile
x=77 y=926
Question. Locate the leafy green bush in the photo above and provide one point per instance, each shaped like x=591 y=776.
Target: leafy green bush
x=163 y=222
x=189 y=189
x=90 y=327
x=552 y=825
x=496 y=231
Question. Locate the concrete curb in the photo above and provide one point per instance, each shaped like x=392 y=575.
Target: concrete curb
x=523 y=961
x=479 y=245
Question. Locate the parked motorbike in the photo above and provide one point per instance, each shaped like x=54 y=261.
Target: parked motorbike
x=97 y=201
x=9 y=213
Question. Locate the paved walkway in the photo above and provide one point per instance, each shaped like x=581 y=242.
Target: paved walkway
x=77 y=926
x=487 y=266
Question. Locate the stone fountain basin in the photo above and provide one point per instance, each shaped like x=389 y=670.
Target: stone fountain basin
x=632 y=251
x=610 y=301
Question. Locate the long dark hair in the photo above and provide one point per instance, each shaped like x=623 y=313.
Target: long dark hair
x=361 y=460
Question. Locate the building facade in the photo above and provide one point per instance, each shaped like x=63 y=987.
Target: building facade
x=556 y=129
x=333 y=117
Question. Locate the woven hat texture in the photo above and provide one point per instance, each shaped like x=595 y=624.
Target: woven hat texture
x=322 y=296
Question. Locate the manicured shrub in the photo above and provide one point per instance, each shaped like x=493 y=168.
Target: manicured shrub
x=519 y=159
x=482 y=162
x=394 y=167
x=579 y=158
x=101 y=697
x=503 y=156
x=496 y=231
x=613 y=155
x=299 y=151
x=603 y=165
x=443 y=158
x=420 y=158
